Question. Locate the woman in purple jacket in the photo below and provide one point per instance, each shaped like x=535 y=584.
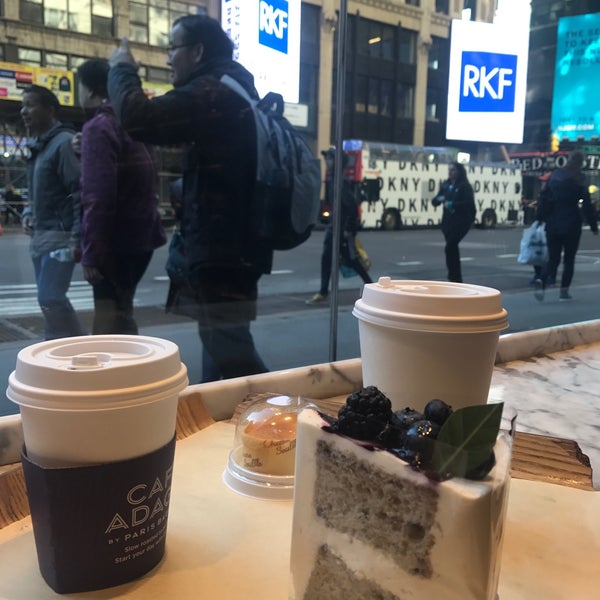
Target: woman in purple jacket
x=120 y=222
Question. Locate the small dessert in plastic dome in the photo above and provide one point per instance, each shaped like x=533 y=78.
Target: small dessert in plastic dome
x=261 y=463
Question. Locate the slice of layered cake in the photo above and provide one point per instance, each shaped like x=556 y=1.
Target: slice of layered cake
x=369 y=525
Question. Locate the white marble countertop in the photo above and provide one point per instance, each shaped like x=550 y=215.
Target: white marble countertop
x=550 y=376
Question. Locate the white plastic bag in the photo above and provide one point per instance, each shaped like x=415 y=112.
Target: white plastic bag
x=534 y=248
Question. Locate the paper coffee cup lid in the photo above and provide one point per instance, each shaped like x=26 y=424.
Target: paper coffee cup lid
x=96 y=372
x=431 y=306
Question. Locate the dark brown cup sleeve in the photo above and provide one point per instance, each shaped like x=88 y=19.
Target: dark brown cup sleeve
x=102 y=525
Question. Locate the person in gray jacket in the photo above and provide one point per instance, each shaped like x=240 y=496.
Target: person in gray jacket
x=53 y=217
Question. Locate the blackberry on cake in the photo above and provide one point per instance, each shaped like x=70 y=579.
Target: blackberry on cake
x=365 y=414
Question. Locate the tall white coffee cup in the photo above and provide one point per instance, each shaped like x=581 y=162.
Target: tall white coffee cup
x=96 y=399
x=421 y=340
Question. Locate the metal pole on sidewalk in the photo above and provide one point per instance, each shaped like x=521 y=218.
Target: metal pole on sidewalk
x=337 y=176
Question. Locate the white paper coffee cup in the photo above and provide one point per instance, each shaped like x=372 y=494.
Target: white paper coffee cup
x=96 y=399
x=421 y=340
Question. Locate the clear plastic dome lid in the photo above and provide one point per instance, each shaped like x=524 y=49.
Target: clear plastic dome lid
x=261 y=462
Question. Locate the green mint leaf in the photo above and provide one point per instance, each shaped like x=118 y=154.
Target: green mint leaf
x=466 y=439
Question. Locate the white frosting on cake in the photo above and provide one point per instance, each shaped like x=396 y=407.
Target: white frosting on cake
x=468 y=528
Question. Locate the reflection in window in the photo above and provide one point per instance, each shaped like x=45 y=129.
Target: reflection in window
x=83 y=16
x=76 y=61
x=159 y=26
x=373 y=108
x=433 y=105
x=438 y=51
x=56 y=61
x=407 y=47
x=80 y=16
x=55 y=14
x=360 y=104
x=385 y=104
x=151 y=20
x=405 y=100
x=29 y=56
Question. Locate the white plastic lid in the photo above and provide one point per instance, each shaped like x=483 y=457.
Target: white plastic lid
x=96 y=372
x=431 y=306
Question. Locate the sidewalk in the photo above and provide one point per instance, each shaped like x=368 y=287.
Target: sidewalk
x=287 y=333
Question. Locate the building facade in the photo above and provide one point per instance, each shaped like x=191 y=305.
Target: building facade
x=396 y=61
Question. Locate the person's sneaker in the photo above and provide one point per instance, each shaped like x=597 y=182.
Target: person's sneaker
x=533 y=279
x=318 y=298
x=565 y=296
x=538 y=290
x=550 y=280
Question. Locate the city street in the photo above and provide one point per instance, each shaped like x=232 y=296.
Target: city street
x=290 y=333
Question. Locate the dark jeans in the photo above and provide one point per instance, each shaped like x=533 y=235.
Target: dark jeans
x=567 y=245
x=453 y=236
x=224 y=305
x=113 y=296
x=53 y=279
x=229 y=352
x=348 y=254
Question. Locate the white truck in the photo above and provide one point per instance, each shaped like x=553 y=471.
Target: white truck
x=396 y=184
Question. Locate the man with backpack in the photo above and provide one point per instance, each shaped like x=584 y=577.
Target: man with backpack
x=223 y=256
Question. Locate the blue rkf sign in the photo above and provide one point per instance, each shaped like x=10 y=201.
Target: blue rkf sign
x=488 y=82
x=273 y=24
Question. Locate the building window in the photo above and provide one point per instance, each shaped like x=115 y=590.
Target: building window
x=32 y=11
x=76 y=61
x=442 y=6
x=375 y=40
x=56 y=61
x=83 y=16
x=438 y=53
x=405 y=95
x=407 y=47
x=150 y=20
x=158 y=75
x=29 y=56
x=433 y=106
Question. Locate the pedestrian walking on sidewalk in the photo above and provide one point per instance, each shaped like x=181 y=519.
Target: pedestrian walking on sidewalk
x=456 y=196
x=561 y=211
x=53 y=216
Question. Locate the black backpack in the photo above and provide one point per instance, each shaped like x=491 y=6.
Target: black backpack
x=288 y=175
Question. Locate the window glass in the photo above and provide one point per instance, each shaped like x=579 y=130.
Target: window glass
x=29 y=56
x=159 y=26
x=373 y=108
x=102 y=8
x=404 y=100
x=138 y=13
x=433 y=105
x=31 y=11
x=385 y=102
x=360 y=103
x=138 y=33
x=76 y=61
x=387 y=42
x=407 y=45
x=156 y=74
x=55 y=14
x=80 y=16
x=55 y=60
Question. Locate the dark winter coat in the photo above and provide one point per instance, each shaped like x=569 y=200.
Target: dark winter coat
x=217 y=128
x=53 y=180
x=559 y=207
x=459 y=206
x=118 y=192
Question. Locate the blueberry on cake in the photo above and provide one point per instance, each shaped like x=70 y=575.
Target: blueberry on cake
x=399 y=506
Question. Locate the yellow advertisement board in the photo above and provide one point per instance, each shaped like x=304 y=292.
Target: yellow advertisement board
x=14 y=78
